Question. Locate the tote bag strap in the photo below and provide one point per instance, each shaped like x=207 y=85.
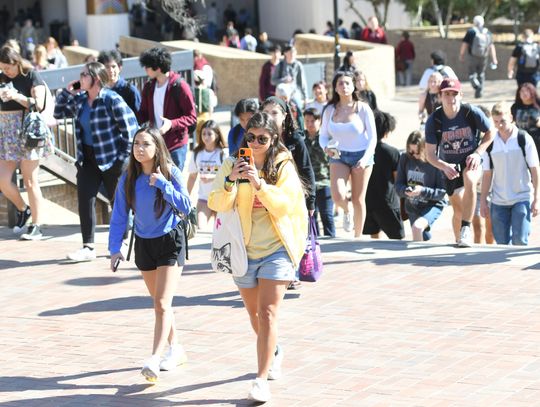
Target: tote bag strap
x=313 y=236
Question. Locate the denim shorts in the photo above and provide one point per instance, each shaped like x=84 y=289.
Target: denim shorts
x=276 y=266
x=431 y=214
x=351 y=158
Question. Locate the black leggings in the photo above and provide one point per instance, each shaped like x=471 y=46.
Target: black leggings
x=89 y=179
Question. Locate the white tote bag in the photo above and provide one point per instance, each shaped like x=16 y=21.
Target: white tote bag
x=229 y=253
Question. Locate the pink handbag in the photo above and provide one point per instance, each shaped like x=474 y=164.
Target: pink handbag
x=311 y=265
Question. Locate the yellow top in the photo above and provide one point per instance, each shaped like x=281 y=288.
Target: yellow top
x=283 y=208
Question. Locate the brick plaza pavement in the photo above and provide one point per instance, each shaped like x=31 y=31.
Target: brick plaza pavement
x=390 y=324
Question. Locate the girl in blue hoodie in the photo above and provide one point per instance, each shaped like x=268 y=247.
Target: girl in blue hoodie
x=153 y=188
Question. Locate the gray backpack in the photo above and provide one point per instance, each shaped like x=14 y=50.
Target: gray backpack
x=480 y=43
x=528 y=61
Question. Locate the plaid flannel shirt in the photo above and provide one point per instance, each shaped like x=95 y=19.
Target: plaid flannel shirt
x=112 y=122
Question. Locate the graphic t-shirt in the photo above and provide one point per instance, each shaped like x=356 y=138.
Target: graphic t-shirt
x=526 y=118
x=458 y=139
x=206 y=164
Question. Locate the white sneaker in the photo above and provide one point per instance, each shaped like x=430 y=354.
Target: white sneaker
x=174 y=357
x=150 y=369
x=275 y=369
x=84 y=254
x=465 y=237
x=260 y=391
x=347 y=222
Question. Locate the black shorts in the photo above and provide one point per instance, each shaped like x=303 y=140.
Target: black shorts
x=456 y=183
x=166 y=250
x=386 y=219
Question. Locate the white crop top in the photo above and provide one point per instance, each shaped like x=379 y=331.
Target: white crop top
x=357 y=135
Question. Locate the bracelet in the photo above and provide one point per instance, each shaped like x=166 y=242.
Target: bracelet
x=228 y=182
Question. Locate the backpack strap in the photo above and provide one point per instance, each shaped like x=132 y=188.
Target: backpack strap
x=521 y=142
x=437 y=121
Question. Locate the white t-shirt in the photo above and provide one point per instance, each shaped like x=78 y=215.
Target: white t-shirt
x=159 y=100
x=511 y=178
x=446 y=71
x=316 y=105
x=206 y=165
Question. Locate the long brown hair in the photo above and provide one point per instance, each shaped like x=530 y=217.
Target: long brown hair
x=10 y=56
x=262 y=120
x=162 y=159
x=212 y=125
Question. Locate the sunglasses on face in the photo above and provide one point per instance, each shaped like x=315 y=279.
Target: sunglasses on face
x=262 y=139
x=413 y=153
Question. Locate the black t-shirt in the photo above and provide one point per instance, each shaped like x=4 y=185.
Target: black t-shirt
x=24 y=84
x=526 y=117
x=381 y=191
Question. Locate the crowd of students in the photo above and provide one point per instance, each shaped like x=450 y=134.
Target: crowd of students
x=307 y=156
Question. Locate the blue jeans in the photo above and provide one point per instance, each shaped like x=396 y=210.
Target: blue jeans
x=511 y=222
x=324 y=206
x=179 y=156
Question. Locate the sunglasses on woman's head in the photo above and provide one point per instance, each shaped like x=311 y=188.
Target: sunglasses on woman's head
x=83 y=74
x=262 y=139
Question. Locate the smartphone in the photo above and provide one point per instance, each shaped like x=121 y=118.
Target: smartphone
x=116 y=264
x=246 y=154
x=77 y=85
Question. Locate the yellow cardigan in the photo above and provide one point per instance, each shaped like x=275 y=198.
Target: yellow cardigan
x=285 y=203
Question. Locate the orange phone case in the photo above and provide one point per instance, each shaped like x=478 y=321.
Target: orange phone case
x=246 y=152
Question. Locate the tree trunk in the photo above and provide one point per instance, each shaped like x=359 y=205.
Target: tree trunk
x=449 y=12
x=437 y=11
x=350 y=3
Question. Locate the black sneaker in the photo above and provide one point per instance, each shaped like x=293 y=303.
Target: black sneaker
x=33 y=233
x=22 y=219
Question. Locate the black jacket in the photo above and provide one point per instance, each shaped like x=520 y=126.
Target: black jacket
x=300 y=154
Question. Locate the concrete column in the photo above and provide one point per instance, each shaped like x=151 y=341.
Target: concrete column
x=104 y=31
x=53 y=10
x=78 y=20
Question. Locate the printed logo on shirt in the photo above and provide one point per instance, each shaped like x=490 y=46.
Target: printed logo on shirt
x=458 y=140
x=415 y=177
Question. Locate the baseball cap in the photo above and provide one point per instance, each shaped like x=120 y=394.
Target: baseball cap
x=450 y=84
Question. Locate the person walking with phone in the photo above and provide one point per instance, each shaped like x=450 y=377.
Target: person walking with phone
x=153 y=188
x=21 y=87
x=351 y=126
x=274 y=223
x=105 y=126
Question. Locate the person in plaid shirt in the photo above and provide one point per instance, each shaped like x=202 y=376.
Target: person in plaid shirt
x=105 y=126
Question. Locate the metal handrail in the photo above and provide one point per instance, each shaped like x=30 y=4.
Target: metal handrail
x=65 y=130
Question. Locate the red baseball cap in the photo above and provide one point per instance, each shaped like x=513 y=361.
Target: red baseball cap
x=450 y=84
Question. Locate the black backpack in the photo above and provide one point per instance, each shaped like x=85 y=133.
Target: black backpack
x=521 y=142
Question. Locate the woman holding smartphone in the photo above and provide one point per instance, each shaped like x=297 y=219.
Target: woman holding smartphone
x=274 y=219
x=422 y=185
x=104 y=127
x=350 y=125
x=21 y=87
x=153 y=188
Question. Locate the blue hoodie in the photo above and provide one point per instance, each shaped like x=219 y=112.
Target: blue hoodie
x=147 y=225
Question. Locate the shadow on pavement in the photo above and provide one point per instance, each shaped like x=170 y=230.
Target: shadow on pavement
x=143 y=302
x=423 y=254
x=125 y=394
